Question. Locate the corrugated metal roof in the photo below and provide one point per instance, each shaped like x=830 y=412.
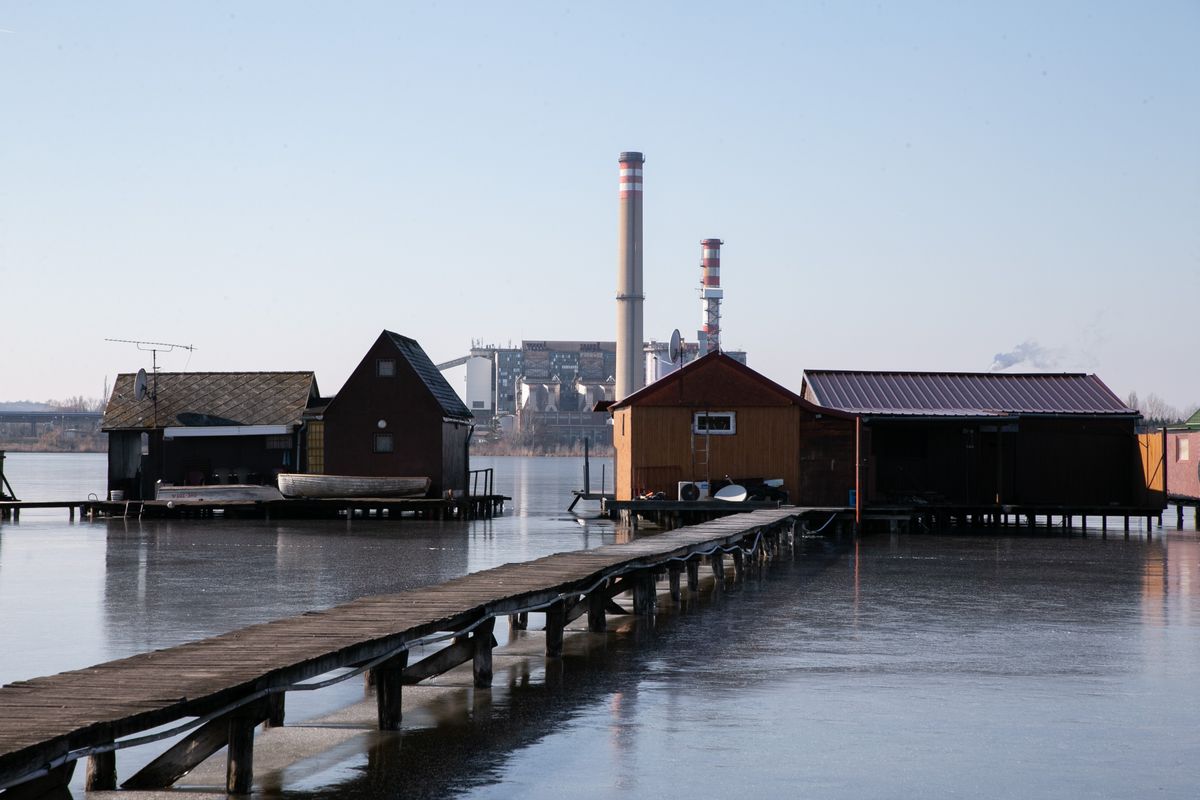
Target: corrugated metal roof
x=225 y=398
x=961 y=393
x=452 y=405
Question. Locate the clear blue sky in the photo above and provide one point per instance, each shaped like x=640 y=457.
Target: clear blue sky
x=899 y=185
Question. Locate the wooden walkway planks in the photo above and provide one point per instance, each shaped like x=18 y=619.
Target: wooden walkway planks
x=47 y=718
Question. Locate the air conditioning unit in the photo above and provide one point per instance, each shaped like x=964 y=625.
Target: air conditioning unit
x=690 y=491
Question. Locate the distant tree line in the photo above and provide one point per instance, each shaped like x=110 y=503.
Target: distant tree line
x=1157 y=412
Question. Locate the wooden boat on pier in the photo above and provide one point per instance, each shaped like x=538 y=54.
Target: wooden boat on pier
x=297 y=485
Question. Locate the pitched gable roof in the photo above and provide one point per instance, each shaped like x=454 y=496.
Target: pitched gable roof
x=210 y=398
x=452 y=405
x=973 y=394
x=715 y=380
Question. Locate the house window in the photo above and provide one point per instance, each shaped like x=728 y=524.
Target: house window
x=476 y=404
x=1181 y=449
x=385 y=368
x=316 y=446
x=384 y=443
x=279 y=442
x=715 y=423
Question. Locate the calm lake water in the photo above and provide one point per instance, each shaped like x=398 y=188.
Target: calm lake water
x=894 y=666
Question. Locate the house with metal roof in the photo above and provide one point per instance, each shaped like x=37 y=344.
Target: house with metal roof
x=988 y=440
x=192 y=428
x=396 y=415
x=716 y=419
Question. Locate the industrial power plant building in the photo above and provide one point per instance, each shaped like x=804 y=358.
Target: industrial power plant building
x=545 y=390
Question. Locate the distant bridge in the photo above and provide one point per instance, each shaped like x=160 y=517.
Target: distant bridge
x=51 y=417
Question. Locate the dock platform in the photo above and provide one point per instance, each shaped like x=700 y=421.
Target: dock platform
x=219 y=689
x=469 y=507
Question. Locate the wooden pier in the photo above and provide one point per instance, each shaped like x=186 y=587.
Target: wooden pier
x=394 y=508
x=1031 y=518
x=220 y=689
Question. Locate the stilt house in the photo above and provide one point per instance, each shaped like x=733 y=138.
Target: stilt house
x=396 y=416
x=194 y=428
x=717 y=418
x=991 y=439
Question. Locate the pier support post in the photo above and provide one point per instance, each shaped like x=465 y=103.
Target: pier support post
x=1179 y=517
x=673 y=571
x=1126 y=526
x=101 y=772
x=556 y=618
x=239 y=766
x=597 y=601
x=693 y=574
x=717 y=560
x=645 y=594
x=739 y=567
x=482 y=663
x=519 y=622
x=275 y=710
x=389 y=680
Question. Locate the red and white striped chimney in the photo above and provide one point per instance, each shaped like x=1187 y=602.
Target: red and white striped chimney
x=631 y=370
x=709 y=335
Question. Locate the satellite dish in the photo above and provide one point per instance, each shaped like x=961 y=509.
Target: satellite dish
x=731 y=493
x=139 y=385
x=676 y=351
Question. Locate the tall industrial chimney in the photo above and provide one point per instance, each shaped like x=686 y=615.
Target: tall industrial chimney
x=709 y=335
x=631 y=371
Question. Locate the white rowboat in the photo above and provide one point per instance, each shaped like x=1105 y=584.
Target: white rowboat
x=298 y=485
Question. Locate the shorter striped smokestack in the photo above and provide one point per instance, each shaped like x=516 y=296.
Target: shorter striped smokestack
x=709 y=335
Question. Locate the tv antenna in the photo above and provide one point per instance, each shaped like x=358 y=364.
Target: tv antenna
x=140 y=388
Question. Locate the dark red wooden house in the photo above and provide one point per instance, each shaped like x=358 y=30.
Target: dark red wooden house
x=990 y=439
x=396 y=415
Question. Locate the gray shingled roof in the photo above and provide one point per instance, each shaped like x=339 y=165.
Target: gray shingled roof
x=452 y=405
x=961 y=393
x=225 y=398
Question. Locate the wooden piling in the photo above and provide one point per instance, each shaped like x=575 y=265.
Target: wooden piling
x=717 y=560
x=482 y=662
x=739 y=568
x=239 y=764
x=693 y=574
x=556 y=615
x=389 y=683
x=101 y=772
x=673 y=580
x=645 y=594
x=275 y=710
x=597 y=602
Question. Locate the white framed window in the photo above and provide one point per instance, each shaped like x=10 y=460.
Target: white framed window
x=1181 y=449
x=385 y=368
x=384 y=443
x=715 y=423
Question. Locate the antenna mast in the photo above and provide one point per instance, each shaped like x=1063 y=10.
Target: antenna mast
x=154 y=348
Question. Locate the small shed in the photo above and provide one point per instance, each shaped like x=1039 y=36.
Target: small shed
x=194 y=428
x=990 y=439
x=718 y=418
x=1183 y=459
x=396 y=416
